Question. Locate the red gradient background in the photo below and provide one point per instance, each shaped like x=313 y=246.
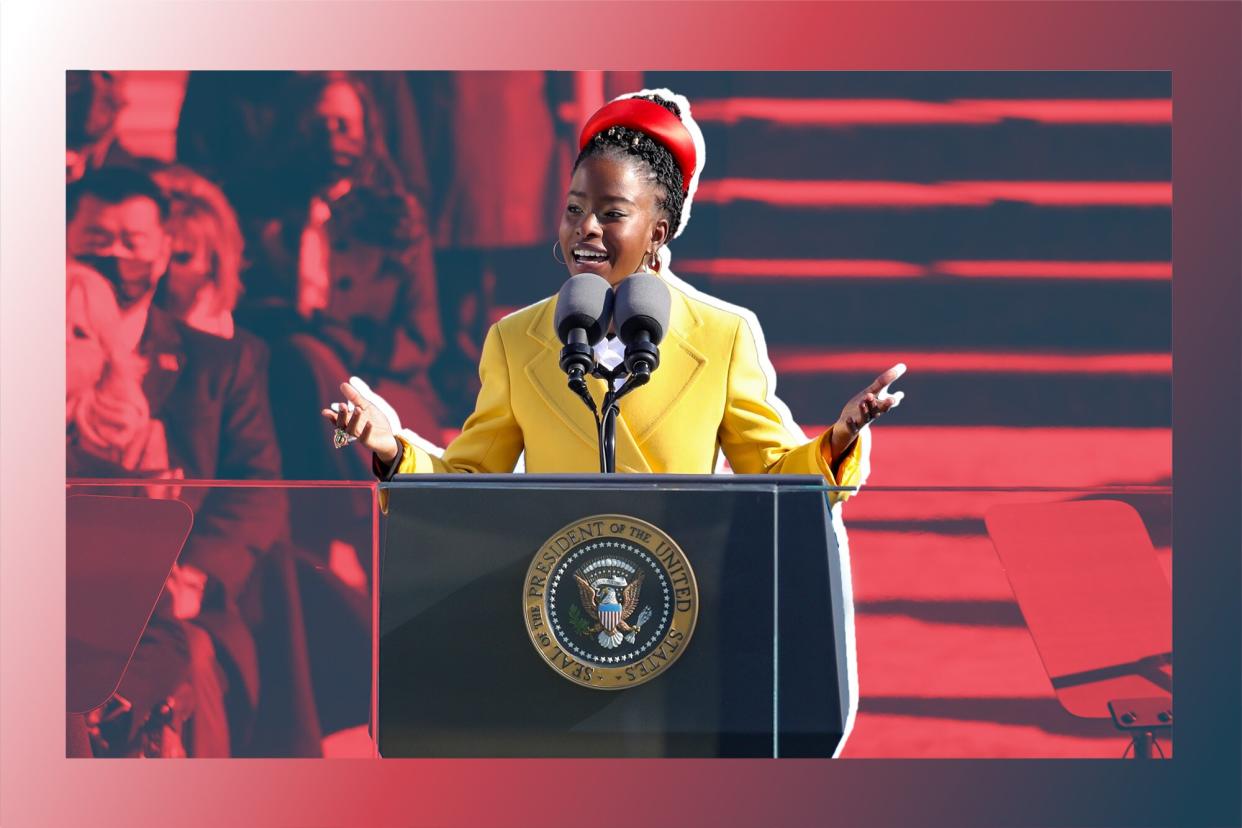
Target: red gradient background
x=1197 y=41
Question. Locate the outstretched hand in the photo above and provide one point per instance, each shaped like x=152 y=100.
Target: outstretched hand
x=361 y=418
x=864 y=407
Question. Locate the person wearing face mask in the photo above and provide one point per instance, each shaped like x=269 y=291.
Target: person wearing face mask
x=635 y=175
x=341 y=275
x=212 y=401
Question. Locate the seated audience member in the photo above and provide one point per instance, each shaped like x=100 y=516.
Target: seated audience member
x=93 y=100
x=142 y=366
x=204 y=269
x=201 y=289
x=105 y=406
x=342 y=279
x=227 y=123
x=224 y=129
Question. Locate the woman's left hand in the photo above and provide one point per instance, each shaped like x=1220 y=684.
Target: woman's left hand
x=864 y=407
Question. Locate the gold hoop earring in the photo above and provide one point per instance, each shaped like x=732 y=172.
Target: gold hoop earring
x=556 y=245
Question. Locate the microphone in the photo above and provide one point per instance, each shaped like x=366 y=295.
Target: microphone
x=583 y=310
x=642 y=309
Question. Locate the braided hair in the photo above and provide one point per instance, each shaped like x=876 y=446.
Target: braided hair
x=622 y=142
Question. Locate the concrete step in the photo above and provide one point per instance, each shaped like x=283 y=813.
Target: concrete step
x=927 y=154
x=1000 y=230
x=914 y=85
x=903 y=656
x=939 y=578
x=1022 y=400
x=998 y=457
x=950 y=728
x=879 y=112
x=947 y=313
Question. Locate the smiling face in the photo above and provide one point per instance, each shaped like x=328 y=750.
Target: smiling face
x=611 y=221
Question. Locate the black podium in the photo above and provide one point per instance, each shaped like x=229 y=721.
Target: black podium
x=613 y=616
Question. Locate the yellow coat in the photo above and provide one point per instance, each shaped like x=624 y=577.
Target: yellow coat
x=712 y=392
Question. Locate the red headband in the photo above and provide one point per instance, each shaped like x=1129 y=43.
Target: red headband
x=651 y=119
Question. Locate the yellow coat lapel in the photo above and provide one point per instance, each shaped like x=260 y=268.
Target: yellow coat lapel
x=546 y=377
x=643 y=410
x=680 y=365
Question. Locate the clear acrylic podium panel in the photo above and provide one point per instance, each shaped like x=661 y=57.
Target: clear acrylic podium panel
x=970 y=647
x=947 y=665
x=107 y=607
x=302 y=556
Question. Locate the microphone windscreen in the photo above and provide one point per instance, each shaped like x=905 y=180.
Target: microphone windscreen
x=585 y=301
x=642 y=303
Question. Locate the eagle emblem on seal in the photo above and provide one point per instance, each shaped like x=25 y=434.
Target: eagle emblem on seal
x=611 y=611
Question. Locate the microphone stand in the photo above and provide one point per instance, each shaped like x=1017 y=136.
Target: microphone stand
x=576 y=356
x=643 y=316
x=607 y=423
x=606 y=416
x=578 y=385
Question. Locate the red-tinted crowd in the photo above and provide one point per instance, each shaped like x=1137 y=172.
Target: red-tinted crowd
x=313 y=226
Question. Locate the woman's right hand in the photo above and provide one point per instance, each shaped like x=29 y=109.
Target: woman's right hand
x=359 y=418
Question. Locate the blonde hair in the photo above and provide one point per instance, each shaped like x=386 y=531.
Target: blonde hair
x=199 y=208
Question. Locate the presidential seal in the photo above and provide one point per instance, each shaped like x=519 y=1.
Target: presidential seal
x=610 y=602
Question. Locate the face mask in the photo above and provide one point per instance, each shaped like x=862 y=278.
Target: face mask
x=132 y=279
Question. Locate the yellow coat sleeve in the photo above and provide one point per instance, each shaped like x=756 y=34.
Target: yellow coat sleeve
x=754 y=435
x=491 y=439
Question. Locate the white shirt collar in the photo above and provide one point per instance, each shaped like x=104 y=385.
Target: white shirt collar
x=610 y=353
